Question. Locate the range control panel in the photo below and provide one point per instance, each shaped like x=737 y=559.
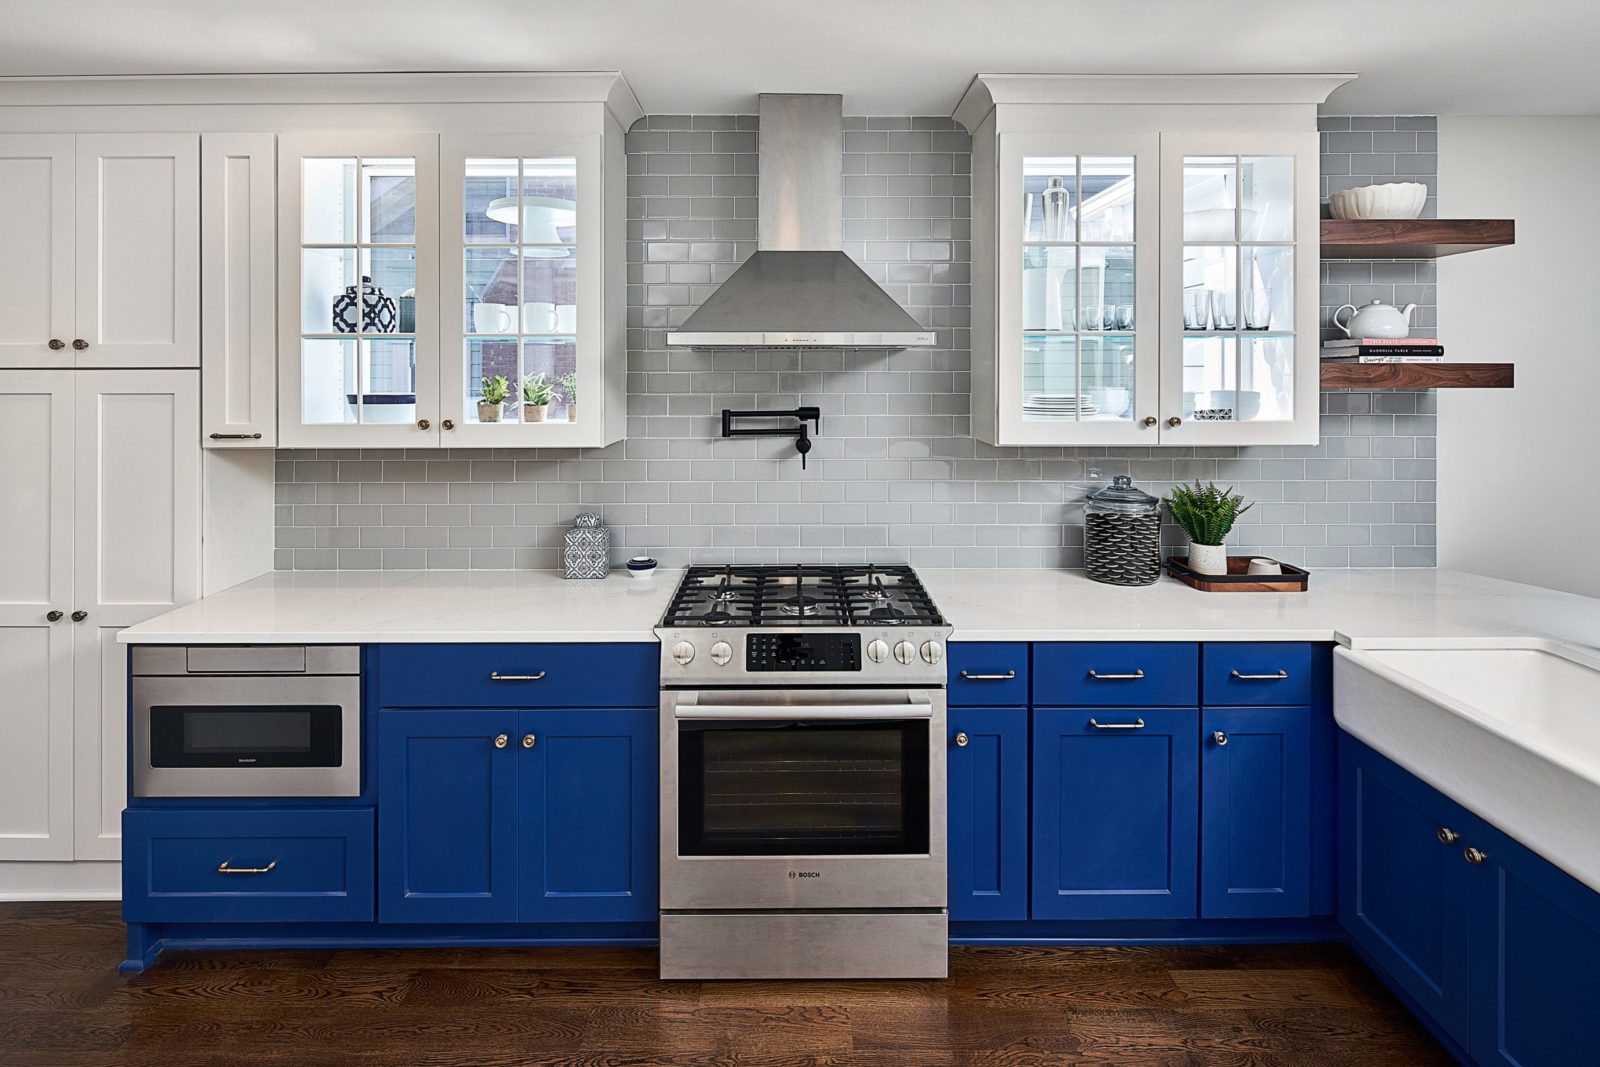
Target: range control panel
x=802 y=652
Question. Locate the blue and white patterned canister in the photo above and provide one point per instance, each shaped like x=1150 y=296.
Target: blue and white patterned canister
x=587 y=548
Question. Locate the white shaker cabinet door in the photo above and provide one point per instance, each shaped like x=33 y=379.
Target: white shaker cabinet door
x=36 y=735
x=238 y=226
x=138 y=555
x=36 y=250
x=138 y=250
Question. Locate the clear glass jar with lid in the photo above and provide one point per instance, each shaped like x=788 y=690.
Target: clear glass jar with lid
x=1122 y=534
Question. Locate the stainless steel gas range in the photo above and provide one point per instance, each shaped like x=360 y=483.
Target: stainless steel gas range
x=803 y=775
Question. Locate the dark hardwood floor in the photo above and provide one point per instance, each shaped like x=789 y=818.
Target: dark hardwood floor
x=62 y=1003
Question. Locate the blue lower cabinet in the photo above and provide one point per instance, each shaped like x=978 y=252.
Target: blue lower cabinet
x=447 y=816
x=588 y=802
x=1404 y=892
x=988 y=806
x=1115 y=812
x=1535 y=936
x=258 y=865
x=1255 y=813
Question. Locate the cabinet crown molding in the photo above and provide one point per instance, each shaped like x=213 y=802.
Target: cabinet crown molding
x=608 y=87
x=986 y=91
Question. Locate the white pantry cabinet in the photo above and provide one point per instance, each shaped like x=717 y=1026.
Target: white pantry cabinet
x=102 y=530
x=1144 y=259
x=99 y=250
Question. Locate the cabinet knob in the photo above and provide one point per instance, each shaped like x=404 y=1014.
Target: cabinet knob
x=1174 y=422
x=423 y=424
x=1474 y=856
x=501 y=741
x=1148 y=421
x=80 y=344
x=1447 y=836
x=1219 y=737
x=448 y=424
x=961 y=740
x=528 y=740
x=53 y=616
x=79 y=616
x=57 y=344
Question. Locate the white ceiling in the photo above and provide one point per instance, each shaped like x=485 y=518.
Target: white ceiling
x=885 y=56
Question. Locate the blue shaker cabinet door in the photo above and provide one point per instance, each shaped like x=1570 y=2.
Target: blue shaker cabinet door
x=1115 y=812
x=1403 y=892
x=447 y=816
x=589 y=799
x=1255 y=813
x=988 y=776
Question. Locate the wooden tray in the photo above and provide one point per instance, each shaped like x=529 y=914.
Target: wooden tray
x=1292 y=580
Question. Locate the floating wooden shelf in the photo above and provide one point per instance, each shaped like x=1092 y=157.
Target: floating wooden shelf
x=1412 y=238
x=1418 y=375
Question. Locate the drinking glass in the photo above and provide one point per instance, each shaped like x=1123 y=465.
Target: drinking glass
x=1257 y=309
x=1124 y=316
x=1196 y=310
x=1222 y=309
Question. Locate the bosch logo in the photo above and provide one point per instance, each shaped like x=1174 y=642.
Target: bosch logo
x=805 y=874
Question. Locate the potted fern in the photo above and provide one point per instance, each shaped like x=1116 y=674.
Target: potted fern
x=537 y=395
x=569 y=382
x=1206 y=514
x=495 y=391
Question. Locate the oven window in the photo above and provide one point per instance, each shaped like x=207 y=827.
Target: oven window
x=800 y=788
x=264 y=735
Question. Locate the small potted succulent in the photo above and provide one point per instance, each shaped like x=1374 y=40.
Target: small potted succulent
x=1206 y=514
x=495 y=391
x=537 y=395
x=569 y=382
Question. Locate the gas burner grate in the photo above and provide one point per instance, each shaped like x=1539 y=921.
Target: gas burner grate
x=859 y=596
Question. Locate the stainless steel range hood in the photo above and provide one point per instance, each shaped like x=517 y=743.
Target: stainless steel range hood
x=800 y=290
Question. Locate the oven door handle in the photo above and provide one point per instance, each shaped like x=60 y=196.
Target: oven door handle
x=803 y=713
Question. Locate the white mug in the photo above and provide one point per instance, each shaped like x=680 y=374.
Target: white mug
x=493 y=318
x=538 y=316
x=566 y=318
x=1262 y=565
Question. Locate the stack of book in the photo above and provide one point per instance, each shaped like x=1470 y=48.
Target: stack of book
x=1384 y=350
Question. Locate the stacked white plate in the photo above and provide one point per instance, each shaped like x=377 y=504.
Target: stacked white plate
x=1059 y=406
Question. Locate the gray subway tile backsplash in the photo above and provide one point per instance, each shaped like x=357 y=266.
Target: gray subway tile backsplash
x=894 y=474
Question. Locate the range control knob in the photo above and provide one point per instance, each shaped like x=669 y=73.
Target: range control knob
x=932 y=651
x=683 y=653
x=905 y=652
x=721 y=653
x=878 y=651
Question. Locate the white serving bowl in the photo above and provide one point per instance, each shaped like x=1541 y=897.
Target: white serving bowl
x=1394 y=200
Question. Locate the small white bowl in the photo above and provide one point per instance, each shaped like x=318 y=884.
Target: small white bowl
x=641 y=567
x=1392 y=200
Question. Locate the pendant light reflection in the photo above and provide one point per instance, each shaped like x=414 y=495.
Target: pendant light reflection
x=540 y=215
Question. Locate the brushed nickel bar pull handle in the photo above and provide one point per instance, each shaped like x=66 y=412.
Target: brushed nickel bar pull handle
x=496 y=676
x=1137 y=724
x=1280 y=676
x=223 y=868
x=236 y=437
x=1006 y=677
x=1134 y=677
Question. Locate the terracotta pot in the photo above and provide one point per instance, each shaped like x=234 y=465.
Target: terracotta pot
x=572 y=411
x=535 y=412
x=1208 y=559
x=488 y=412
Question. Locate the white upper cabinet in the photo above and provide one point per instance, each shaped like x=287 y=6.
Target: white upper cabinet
x=1144 y=259
x=100 y=235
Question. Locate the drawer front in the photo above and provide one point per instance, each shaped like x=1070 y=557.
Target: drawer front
x=988 y=673
x=248 y=866
x=1116 y=674
x=1257 y=674
x=519 y=676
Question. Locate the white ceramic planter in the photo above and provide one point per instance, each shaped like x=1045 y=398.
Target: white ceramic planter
x=1208 y=559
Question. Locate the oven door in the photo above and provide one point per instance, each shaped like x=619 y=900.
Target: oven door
x=247 y=736
x=803 y=799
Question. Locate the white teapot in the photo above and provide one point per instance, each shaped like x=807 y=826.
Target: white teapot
x=1376 y=319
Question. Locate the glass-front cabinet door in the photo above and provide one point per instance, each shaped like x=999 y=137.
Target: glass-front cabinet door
x=1239 y=253
x=1077 y=317
x=358 y=312
x=520 y=289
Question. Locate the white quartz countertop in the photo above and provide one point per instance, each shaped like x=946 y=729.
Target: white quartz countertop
x=1357 y=607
